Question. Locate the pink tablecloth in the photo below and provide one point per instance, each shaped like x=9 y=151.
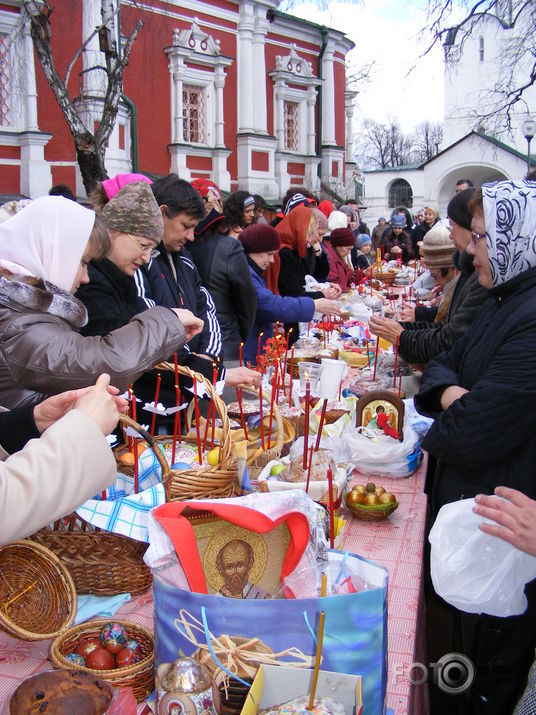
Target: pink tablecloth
x=397 y=543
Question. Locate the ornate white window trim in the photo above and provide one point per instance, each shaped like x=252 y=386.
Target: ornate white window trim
x=294 y=82
x=193 y=46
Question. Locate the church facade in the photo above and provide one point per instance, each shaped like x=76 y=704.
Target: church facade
x=231 y=90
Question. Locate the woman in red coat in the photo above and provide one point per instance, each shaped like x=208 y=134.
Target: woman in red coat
x=337 y=246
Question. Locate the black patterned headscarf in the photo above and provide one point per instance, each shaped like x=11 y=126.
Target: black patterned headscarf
x=510 y=220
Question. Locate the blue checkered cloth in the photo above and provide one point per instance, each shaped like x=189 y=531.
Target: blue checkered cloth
x=123 y=511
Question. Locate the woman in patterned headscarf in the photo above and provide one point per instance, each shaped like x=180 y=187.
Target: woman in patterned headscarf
x=483 y=397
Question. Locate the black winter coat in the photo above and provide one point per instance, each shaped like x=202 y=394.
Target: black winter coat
x=486 y=438
x=292 y=272
x=224 y=270
x=421 y=341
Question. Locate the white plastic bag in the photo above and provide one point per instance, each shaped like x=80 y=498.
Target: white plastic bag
x=474 y=571
x=377 y=454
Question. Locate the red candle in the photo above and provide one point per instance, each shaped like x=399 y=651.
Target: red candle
x=331 y=519
x=176 y=423
x=400 y=384
x=157 y=390
x=240 y=354
x=261 y=416
x=239 y=398
x=368 y=356
x=214 y=380
x=196 y=410
x=275 y=387
x=376 y=357
x=321 y=424
x=291 y=377
x=306 y=426
x=396 y=360
x=136 y=475
x=309 y=469
x=259 y=347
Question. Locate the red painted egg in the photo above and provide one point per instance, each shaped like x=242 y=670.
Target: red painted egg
x=100 y=659
x=125 y=657
x=86 y=645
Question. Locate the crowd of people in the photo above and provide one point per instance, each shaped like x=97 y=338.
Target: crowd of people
x=93 y=296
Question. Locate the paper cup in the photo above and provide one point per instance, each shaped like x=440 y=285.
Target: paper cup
x=333 y=373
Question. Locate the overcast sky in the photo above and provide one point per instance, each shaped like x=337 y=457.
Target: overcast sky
x=387 y=31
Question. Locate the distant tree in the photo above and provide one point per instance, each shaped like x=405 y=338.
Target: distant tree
x=90 y=147
x=425 y=140
x=380 y=146
x=516 y=72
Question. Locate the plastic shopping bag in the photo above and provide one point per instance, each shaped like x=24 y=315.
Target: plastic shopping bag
x=377 y=454
x=474 y=571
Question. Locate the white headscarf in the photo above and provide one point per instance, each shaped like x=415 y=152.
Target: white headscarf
x=47 y=239
x=510 y=220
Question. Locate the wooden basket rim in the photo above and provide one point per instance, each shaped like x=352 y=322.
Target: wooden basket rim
x=10 y=626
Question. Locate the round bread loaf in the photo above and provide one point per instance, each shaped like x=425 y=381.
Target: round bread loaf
x=61 y=692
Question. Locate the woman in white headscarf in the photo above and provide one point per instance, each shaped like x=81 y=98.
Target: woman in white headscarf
x=483 y=397
x=44 y=251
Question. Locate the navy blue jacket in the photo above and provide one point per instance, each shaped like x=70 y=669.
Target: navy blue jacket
x=486 y=438
x=272 y=308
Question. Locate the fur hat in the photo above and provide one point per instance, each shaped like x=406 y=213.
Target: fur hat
x=259 y=238
x=437 y=247
x=115 y=184
x=134 y=210
x=337 y=219
x=342 y=237
x=398 y=221
x=457 y=209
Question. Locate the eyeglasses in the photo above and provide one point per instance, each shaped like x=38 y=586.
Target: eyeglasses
x=145 y=250
x=476 y=237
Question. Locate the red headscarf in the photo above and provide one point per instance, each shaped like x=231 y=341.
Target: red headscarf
x=293 y=230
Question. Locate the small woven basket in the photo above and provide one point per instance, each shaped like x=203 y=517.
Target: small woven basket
x=373 y=512
x=100 y=562
x=212 y=482
x=386 y=277
x=138 y=676
x=37 y=594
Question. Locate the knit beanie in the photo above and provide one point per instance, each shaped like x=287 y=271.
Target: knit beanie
x=134 y=210
x=322 y=220
x=259 y=238
x=337 y=220
x=342 y=237
x=457 y=209
x=437 y=247
x=203 y=186
x=361 y=239
x=326 y=207
x=115 y=184
x=297 y=200
x=398 y=221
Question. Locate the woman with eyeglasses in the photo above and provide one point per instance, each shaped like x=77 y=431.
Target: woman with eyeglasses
x=44 y=253
x=482 y=395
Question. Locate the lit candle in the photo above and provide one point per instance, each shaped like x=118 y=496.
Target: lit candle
x=331 y=520
x=306 y=426
x=275 y=386
x=176 y=423
x=196 y=410
x=214 y=380
x=291 y=377
x=400 y=384
x=261 y=415
x=259 y=347
x=136 y=475
x=239 y=398
x=156 y=392
x=396 y=360
x=240 y=354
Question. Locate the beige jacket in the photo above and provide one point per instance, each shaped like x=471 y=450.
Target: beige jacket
x=53 y=475
x=42 y=353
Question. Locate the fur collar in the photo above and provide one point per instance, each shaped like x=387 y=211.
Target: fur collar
x=36 y=295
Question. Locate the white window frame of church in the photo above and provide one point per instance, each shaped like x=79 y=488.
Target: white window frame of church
x=11 y=35
x=291 y=119
x=298 y=97
x=194 y=112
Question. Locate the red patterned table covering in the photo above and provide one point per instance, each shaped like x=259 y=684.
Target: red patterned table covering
x=397 y=543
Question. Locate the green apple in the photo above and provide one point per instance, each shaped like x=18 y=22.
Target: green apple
x=277 y=469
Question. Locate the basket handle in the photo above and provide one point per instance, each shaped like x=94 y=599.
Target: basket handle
x=277 y=414
x=129 y=422
x=225 y=441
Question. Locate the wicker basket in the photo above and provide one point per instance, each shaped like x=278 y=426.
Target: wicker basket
x=138 y=676
x=37 y=594
x=386 y=277
x=372 y=512
x=100 y=562
x=206 y=482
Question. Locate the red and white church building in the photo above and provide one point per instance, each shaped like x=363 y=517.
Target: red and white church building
x=232 y=90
